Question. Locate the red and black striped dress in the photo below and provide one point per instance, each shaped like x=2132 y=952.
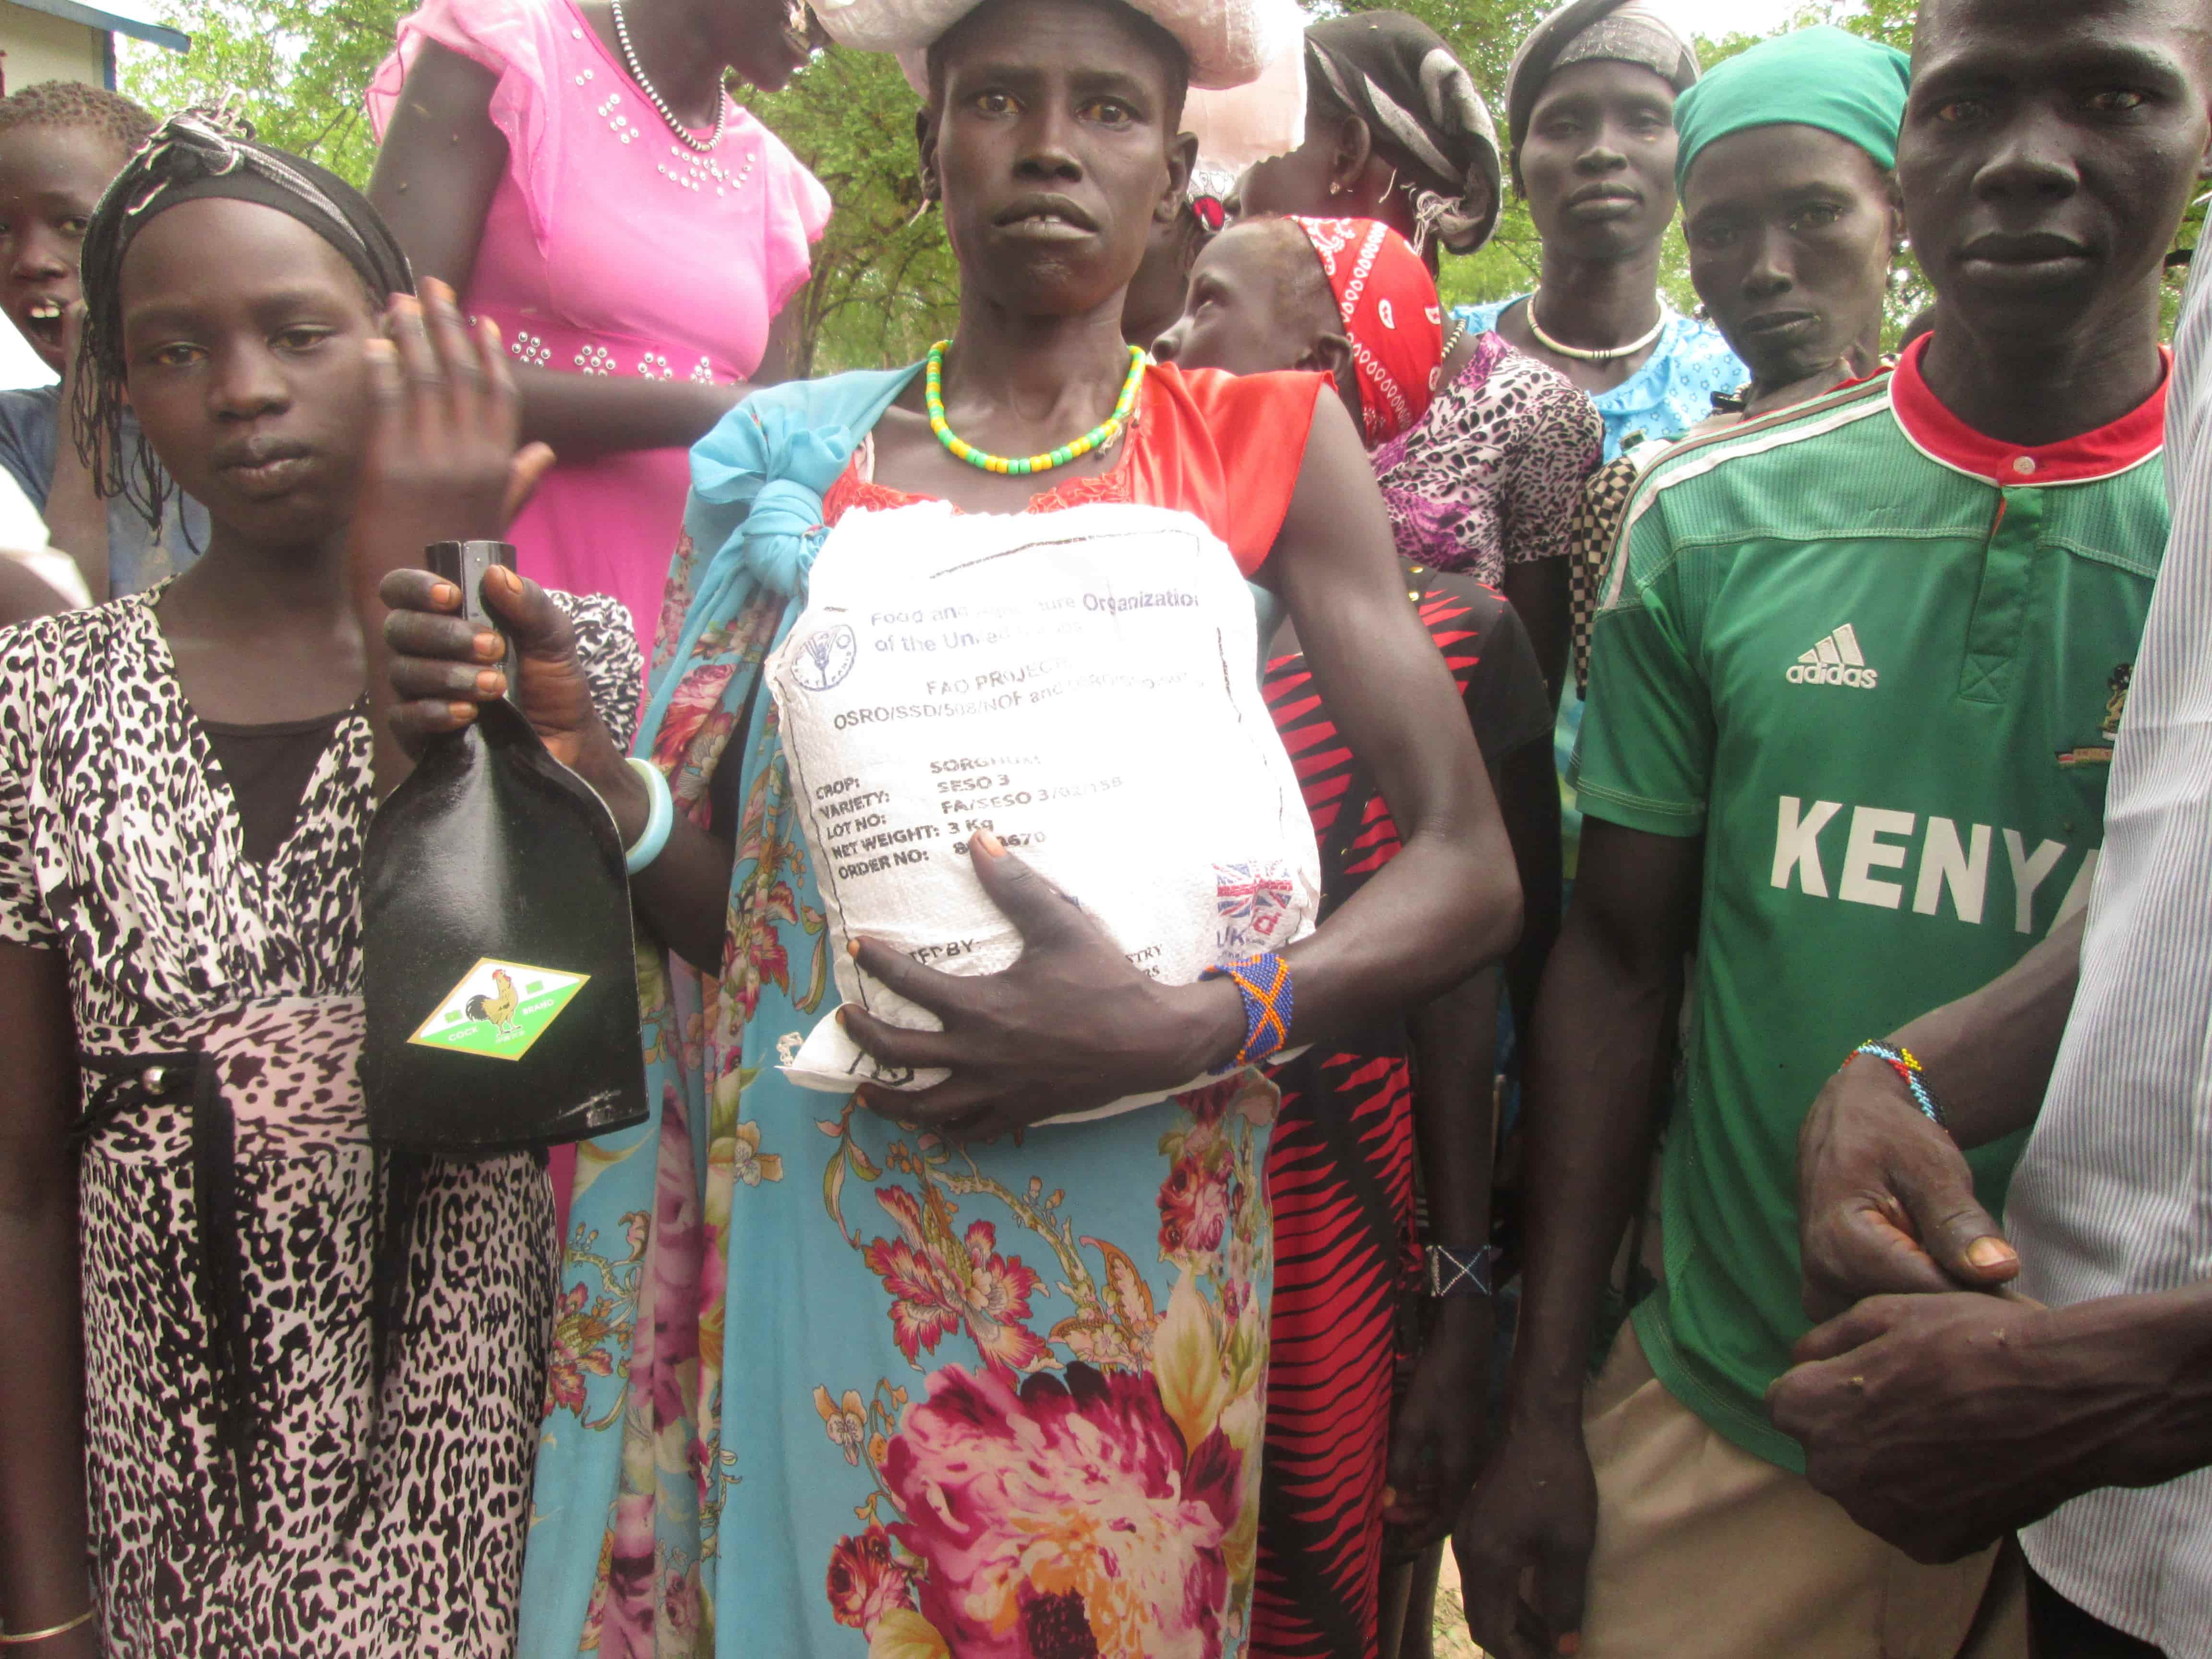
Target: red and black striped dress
x=1340 y=1173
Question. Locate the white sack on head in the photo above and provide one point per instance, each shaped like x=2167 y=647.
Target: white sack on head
x=1078 y=683
x=1229 y=42
x=1240 y=125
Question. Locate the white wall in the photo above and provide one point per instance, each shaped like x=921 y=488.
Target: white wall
x=43 y=47
x=20 y=365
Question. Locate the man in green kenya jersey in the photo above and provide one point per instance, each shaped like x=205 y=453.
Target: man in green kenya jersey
x=1854 y=691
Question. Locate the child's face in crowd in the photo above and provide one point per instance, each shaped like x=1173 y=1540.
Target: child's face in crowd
x=1252 y=306
x=50 y=180
x=242 y=335
x=1241 y=313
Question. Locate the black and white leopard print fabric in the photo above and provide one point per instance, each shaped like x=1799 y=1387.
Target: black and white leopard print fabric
x=392 y=1531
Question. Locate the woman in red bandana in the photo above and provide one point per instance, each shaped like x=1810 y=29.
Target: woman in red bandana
x=1350 y=298
x=1393 y=321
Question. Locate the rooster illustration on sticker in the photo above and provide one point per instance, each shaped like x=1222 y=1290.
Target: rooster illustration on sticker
x=499 y=1010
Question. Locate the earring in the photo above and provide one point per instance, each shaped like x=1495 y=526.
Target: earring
x=1701 y=312
x=1334 y=188
x=928 y=201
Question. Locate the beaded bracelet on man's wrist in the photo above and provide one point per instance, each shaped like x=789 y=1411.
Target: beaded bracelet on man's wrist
x=1910 y=1072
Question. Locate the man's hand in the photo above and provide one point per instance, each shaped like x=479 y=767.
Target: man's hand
x=1886 y=1202
x=1940 y=1423
x=1437 y=1437
x=1532 y=1520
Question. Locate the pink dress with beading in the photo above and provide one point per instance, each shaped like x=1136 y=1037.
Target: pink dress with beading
x=612 y=247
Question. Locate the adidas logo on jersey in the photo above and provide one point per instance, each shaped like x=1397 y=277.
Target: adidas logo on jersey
x=1836 y=660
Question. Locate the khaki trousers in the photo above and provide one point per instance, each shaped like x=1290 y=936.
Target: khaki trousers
x=1706 y=1552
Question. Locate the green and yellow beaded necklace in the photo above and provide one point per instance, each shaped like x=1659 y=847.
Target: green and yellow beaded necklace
x=1104 y=432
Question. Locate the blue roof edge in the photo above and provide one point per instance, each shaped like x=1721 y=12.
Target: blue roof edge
x=159 y=34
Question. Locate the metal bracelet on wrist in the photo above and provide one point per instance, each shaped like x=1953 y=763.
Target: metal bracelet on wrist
x=13 y=1638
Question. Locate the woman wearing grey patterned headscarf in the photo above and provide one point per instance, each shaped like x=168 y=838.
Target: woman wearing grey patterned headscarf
x=1595 y=31
x=1589 y=110
x=1394 y=131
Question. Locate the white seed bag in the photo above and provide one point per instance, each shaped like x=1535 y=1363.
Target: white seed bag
x=1080 y=683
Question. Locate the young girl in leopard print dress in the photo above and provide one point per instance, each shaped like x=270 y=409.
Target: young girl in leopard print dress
x=205 y=1455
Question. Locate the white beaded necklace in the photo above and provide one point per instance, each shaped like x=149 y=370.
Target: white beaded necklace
x=653 y=93
x=1585 y=354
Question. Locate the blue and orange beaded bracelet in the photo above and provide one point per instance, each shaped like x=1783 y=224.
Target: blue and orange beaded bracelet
x=1264 y=982
x=1908 y=1068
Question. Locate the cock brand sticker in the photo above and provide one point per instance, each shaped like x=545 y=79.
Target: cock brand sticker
x=499 y=1009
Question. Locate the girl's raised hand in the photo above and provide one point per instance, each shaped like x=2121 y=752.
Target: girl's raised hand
x=442 y=463
x=444 y=460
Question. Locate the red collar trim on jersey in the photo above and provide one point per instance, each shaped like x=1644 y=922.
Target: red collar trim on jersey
x=2109 y=451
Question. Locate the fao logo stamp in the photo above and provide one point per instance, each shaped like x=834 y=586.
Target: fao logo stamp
x=825 y=658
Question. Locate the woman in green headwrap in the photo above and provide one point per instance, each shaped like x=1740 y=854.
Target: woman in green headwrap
x=1792 y=209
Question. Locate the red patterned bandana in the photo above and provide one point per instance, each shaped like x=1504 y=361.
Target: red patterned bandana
x=1396 y=324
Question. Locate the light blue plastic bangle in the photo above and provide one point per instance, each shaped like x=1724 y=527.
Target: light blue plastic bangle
x=660 y=816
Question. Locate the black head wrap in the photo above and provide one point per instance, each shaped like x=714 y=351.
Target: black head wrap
x=1396 y=73
x=192 y=156
x=1585 y=31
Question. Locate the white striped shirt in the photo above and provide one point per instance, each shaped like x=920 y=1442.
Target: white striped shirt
x=2114 y=1194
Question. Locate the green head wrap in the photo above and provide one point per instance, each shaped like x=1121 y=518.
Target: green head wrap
x=1822 y=77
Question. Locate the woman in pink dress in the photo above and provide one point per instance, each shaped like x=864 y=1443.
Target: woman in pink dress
x=574 y=169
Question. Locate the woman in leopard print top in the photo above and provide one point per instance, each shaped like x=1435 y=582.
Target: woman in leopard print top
x=195 y=1412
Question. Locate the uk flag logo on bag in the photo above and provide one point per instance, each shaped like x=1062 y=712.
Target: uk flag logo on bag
x=1252 y=902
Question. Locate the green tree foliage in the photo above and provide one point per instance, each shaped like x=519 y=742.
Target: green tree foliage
x=296 y=69
x=1887 y=21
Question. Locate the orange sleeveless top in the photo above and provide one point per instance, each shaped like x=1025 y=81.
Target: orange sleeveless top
x=1224 y=448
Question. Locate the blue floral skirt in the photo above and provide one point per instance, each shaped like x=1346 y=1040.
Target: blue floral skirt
x=1003 y=1401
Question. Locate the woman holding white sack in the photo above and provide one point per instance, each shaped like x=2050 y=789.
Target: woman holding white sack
x=848 y=1377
